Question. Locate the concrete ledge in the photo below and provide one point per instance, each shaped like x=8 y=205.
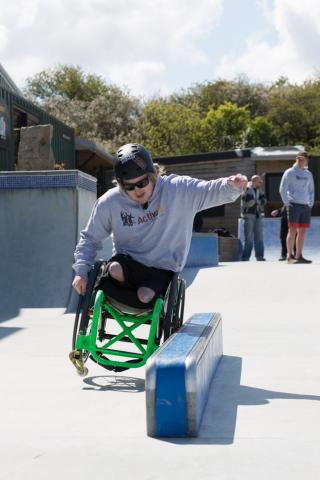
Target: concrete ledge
x=203 y=250
x=179 y=374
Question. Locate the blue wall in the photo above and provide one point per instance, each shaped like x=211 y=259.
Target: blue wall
x=203 y=250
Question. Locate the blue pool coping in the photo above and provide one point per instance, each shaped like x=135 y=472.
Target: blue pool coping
x=47 y=179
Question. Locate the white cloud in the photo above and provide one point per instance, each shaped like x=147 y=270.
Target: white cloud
x=136 y=42
x=144 y=76
x=294 y=53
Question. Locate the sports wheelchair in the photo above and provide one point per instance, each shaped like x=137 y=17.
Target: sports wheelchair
x=106 y=330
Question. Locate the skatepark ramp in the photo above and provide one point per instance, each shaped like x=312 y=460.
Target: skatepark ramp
x=271 y=237
x=41 y=215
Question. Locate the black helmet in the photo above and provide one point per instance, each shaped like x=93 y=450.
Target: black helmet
x=131 y=161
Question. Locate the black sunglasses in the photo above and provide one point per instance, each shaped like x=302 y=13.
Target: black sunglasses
x=129 y=187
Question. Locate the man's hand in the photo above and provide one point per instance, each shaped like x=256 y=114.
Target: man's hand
x=239 y=181
x=274 y=213
x=80 y=284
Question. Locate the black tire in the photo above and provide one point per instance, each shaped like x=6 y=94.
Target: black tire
x=76 y=322
x=76 y=329
x=177 y=320
x=169 y=314
x=85 y=302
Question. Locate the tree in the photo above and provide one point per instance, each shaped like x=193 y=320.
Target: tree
x=96 y=110
x=65 y=81
x=224 y=128
x=169 y=128
x=294 y=111
x=261 y=133
x=240 y=91
x=219 y=115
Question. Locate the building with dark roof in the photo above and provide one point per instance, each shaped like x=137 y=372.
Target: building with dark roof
x=72 y=152
x=16 y=112
x=270 y=163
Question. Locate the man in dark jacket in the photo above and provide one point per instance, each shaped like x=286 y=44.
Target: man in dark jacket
x=253 y=201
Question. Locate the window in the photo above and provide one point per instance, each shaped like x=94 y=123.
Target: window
x=4 y=125
x=272 y=187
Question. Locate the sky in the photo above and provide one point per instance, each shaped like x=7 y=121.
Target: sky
x=162 y=46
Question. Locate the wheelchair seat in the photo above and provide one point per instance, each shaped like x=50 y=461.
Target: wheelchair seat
x=123 y=298
x=123 y=308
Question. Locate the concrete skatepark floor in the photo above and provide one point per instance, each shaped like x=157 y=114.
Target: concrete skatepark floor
x=262 y=420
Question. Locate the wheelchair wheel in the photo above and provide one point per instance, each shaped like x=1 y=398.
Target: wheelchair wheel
x=177 y=320
x=173 y=318
x=84 y=353
x=85 y=304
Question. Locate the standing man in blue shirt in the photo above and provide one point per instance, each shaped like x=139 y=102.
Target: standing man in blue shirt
x=297 y=193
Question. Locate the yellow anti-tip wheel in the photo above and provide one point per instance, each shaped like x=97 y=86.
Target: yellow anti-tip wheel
x=83 y=372
x=76 y=358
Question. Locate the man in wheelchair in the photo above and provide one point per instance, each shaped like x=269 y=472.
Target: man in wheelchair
x=150 y=217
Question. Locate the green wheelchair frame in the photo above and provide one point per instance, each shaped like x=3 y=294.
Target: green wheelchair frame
x=92 y=339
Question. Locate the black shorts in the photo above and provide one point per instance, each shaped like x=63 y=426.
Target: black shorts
x=136 y=275
x=299 y=215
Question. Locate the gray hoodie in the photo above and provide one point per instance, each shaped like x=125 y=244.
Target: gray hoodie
x=297 y=186
x=158 y=236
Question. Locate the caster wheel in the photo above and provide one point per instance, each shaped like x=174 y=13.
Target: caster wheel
x=83 y=372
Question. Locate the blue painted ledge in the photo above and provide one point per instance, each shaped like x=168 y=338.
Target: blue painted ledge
x=204 y=250
x=179 y=374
